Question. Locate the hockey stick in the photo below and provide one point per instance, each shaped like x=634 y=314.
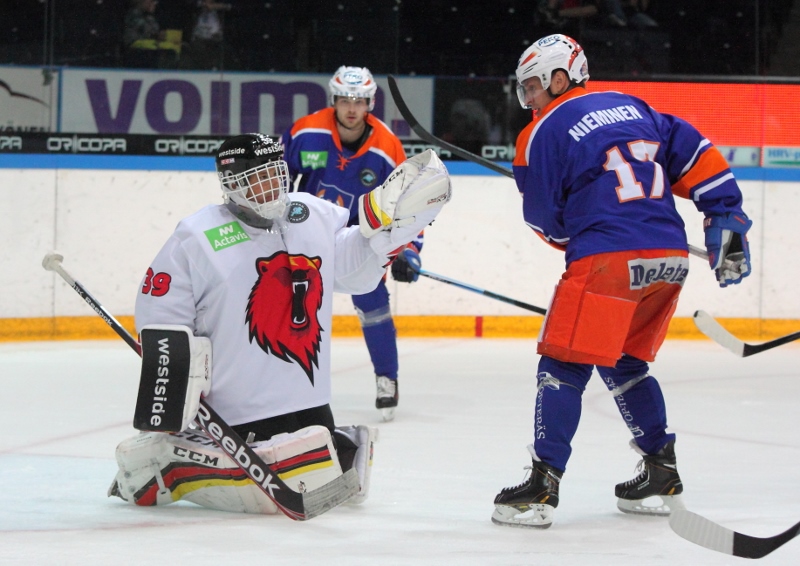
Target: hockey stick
x=433 y=140
x=297 y=506
x=709 y=534
x=709 y=326
x=443 y=279
x=426 y=136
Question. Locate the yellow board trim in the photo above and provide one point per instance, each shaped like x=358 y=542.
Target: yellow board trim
x=424 y=326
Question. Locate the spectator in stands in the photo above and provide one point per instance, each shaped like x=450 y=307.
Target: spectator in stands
x=145 y=44
x=547 y=11
x=206 y=43
x=614 y=14
x=141 y=35
x=638 y=17
x=628 y=13
x=557 y=13
x=469 y=124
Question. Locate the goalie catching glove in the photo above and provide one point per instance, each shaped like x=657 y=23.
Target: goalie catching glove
x=418 y=185
x=728 y=249
x=176 y=370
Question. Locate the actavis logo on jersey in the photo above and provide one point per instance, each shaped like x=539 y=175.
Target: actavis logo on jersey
x=314 y=159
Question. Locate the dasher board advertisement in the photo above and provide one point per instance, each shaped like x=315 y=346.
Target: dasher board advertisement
x=28 y=99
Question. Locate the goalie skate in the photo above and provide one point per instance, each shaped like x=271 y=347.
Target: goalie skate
x=657 y=488
x=532 y=503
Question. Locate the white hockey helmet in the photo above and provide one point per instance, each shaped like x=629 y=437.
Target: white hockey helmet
x=353 y=82
x=547 y=55
x=254 y=175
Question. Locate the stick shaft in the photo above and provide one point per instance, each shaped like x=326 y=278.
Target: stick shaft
x=516 y=303
x=98 y=308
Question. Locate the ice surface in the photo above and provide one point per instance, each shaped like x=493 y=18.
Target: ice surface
x=464 y=419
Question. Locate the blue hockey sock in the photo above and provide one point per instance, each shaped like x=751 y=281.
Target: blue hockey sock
x=558 y=409
x=379 y=332
x=382 y=345
x=640 y=402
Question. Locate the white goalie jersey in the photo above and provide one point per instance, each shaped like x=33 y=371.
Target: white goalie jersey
x=263 y=298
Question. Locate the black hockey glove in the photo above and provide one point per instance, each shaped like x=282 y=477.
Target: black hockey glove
x=406 y=266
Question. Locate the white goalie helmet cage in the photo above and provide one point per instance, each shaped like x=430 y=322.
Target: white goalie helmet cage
x=353 y=82
x=548 y=54
x=254 y=175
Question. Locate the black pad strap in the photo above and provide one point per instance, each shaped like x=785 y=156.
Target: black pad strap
x=166 y=356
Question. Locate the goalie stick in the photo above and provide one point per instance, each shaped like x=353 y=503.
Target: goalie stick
x=709 y=534
x=297 y=506
x=709 y=326
x=426 y=136
x=443 y=279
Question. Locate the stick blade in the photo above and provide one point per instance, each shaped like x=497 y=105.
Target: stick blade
x=754 y=547
x=708 y=325
x=701 y=531
x=330 y=495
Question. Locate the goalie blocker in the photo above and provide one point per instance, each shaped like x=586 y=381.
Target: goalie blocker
x=176 y=371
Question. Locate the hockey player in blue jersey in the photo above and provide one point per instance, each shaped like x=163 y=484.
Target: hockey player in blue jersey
x=340 y=153
x=598 y=173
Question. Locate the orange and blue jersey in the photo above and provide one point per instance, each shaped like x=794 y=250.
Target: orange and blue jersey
x=598 y=173
x=330 y=170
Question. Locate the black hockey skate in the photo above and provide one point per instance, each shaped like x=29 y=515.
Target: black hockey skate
x=531 y=503
x=388 y=394
x=658 y=480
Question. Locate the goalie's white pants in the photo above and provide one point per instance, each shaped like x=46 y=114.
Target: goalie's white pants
x=158 y=469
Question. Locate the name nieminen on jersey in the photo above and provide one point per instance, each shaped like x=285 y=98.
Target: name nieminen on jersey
x=599 y=118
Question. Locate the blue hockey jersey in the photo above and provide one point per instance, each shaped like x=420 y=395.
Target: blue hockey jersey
x=598 y=173
x=332 y=172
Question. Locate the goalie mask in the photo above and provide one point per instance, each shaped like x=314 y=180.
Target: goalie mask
x=353 y=82
x=547 y=55
x=254 y=175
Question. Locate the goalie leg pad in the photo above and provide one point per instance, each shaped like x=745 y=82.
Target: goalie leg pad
x=176 y=371
x=355 y=444
x=159 y=469
x=305 y=459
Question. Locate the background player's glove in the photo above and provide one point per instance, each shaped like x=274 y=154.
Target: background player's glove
x=418 y=185
x=406 y=266
x=728 y=250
